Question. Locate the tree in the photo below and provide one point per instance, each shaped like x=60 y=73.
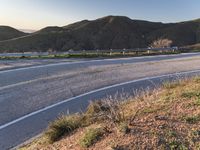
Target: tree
x=160 y=43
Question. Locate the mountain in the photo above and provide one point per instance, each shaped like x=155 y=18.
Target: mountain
x=7 y=33
x=111 y=32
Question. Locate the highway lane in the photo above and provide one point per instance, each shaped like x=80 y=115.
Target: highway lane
x=14 y=76
x=22 y=63
x=26 y=96
x=28 y=89
x=38 y=89
x=26 y=127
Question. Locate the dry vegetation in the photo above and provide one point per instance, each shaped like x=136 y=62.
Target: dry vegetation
x=195 y=47
x=161 y=43
x=167 y=118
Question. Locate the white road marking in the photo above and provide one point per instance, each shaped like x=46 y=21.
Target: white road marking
x=98 y=90
x=31 y=81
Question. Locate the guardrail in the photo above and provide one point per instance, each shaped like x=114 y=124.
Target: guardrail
x=110 y=51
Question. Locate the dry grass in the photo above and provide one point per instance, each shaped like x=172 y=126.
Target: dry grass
x=167 y=118
x=91 y=136
x=62 y=126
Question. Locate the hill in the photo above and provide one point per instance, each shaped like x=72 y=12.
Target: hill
x=167 y=118
x=111 y=32
x=7 y=33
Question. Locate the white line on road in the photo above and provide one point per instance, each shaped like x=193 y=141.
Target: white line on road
x=98 y=90
x=32 y=81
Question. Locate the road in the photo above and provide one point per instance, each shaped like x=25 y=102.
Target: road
x=22 y=63
x=32 y=97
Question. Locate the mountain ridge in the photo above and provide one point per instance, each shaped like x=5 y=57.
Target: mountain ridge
x=7 y=32
x=110 y=32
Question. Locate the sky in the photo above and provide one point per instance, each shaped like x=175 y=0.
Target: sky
x=37 y=14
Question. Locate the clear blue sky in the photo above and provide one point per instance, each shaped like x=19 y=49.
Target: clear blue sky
x=36 y=14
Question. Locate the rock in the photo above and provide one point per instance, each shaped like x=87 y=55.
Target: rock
x=161 y=118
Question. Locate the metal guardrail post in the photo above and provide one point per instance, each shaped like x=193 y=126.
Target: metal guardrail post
x=124 y=51
x=110 y=52
x=97 y=52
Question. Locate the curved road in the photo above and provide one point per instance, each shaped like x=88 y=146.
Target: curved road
x=31 y=97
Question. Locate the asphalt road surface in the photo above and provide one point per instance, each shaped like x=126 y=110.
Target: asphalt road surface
x=32 y=97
